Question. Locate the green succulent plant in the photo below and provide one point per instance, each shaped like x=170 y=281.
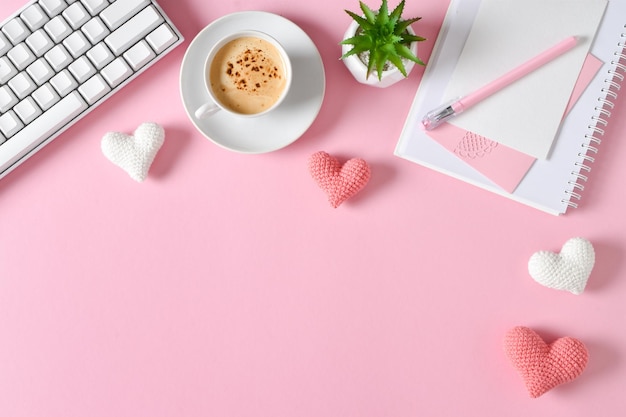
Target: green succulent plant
x=384 y=36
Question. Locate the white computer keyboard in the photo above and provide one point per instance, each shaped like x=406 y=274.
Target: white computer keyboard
x=59 y=59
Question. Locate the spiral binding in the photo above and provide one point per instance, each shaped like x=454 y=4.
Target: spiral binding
x=599 y=121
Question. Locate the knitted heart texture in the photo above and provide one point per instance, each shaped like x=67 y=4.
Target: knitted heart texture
x=568 y=270
x=340 y=182
x=544 y=366
x=135 y=153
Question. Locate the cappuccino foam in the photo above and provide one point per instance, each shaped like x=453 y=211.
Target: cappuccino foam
x=247 y=75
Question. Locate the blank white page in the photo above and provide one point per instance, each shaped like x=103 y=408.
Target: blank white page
x=527 y=114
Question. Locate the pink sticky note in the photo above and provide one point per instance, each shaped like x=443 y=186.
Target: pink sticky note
x=590 y=69
x=503 y=165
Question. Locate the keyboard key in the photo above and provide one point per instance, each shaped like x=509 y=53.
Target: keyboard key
x=116 y=72
x=22 y=85
x=95 y=6
x=81 y=69
x=63 y=83
x=58 y=57
x=94 y=89
x=40 y=71
x=76 y=44
x=130 y=32
x=53 y=7
x=7 y=70
x=161 y=38
x=7 y=98
x=15 y=30
x=10 y=124
x=76 y=15
x=39 y=42
x=41 y=128
x=34 y=17
x=21 y=56
x=27 y=110
x=118 y=13
x=95 y=30
x=139 y=55
x=5 y=44
x=100 y=55
x=45 y=96
x=58 y=29
x=2 y=139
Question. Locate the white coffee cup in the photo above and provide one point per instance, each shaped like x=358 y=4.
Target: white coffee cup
x=247 y=74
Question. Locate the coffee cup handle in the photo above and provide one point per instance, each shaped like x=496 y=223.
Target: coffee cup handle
x=206 y=110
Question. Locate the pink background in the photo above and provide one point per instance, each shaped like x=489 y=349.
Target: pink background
x=226 y=285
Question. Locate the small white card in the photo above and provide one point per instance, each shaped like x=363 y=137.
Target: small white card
x=527 y=114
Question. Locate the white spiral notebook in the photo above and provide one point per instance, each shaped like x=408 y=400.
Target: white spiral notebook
x=554 y=183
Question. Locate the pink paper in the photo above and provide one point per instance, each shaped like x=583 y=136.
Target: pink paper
x=504 y=166
x=590 y=69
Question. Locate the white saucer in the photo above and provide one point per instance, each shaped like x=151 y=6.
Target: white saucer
x=283 y=125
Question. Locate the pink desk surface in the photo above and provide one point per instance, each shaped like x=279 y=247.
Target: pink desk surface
x=225 y=284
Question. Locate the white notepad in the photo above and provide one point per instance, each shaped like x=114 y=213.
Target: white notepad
x=552 y=184
x=506 y=33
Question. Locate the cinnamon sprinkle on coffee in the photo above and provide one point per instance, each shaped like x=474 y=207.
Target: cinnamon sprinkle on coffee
x=251 y=64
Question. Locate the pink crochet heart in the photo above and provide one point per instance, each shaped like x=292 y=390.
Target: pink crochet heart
x=544 y=366
x=339 y=182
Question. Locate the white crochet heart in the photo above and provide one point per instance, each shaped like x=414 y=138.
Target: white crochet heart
x=568 y=270
x=135 y=153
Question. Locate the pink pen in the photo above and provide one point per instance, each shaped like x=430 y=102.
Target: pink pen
x=445 y=112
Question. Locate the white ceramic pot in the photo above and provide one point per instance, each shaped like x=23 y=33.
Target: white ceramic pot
x=359 y=69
